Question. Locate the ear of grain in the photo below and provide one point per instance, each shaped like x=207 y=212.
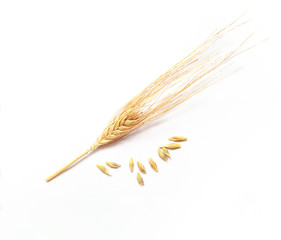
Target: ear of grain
x=162 y=155
x=103 y=169
x=197 y=71
x=113 y=165
x=178 y=139
x=140 y=180
x=153 y=164
x=172 y=146
x=166 y=152
x=131 y=165
x=141 y=168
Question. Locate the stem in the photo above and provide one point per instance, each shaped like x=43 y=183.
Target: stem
x=67 y=166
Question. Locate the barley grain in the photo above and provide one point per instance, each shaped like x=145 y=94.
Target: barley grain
x=153 y=164
x=131 y=165
x=178 y=139
x=172 y=146
x=141 y=168
x=140 y=180
x=113 y=165
x=162 y=154
x=166 y=152
x=104 y=169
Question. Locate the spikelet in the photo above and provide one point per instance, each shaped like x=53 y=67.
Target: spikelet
x=195 y=72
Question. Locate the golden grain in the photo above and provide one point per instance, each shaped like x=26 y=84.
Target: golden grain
x=141 y=168
x=172 y=146
x=140 y=180
x=113 y=165
x=153 y=164
x=131 y=165
x=178 y=139
x=104 y=169
x=166 y=152
x=162 y=154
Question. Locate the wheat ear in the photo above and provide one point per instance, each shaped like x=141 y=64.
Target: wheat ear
x=195 y=72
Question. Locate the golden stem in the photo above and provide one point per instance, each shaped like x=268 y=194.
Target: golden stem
x=67 y=166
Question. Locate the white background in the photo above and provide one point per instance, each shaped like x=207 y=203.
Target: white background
x=67 y=66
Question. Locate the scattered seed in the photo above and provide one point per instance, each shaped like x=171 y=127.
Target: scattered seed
x=178 y=139
x=113 y=165
x=172 y=146
x=166 y=152
x=153 y=164
x=141 y=168
x=140 y=180
x=131 y=164
x=162 y=154
x=104 y=169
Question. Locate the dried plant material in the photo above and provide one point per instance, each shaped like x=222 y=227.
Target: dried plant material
x=141 y=168
x=140 y=180
x=162 y=154
x=172 y=146
x=166 y=152
x=131 y=165
x=153 y=164
x=113 y=165
x=103 y=169
x=178 y=139
x=197 y=71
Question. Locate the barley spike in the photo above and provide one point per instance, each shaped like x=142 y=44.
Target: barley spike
x=197 y=71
